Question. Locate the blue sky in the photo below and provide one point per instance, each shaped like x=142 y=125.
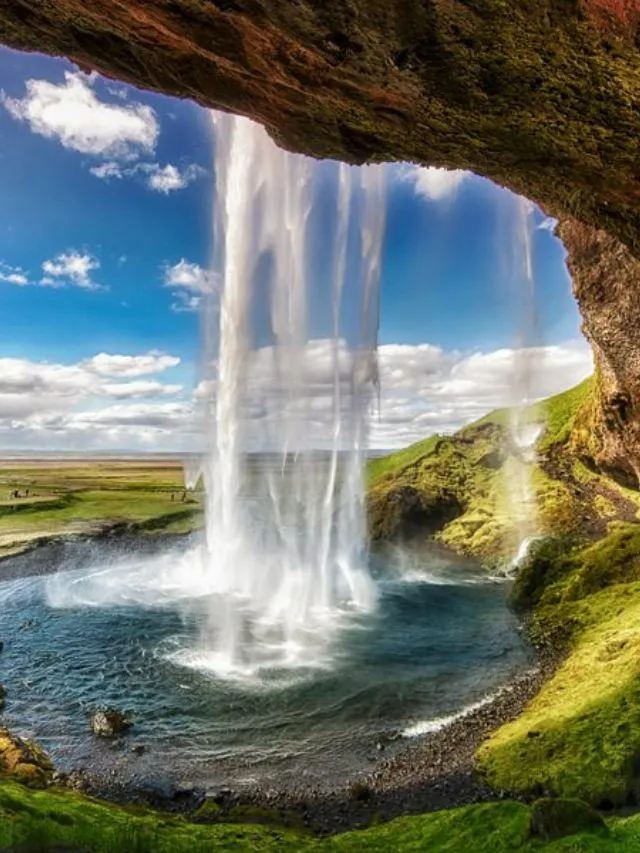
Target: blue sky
x=105 y=235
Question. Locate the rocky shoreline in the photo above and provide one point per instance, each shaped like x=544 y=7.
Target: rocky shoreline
x=429 y=773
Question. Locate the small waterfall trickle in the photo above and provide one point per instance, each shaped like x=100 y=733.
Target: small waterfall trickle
x=295 y=367
x=524 y=430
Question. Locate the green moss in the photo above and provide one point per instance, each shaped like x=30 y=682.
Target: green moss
x=556 y=818
x=41 y=820
x=546 y=563
x=447 y=486
x=580 y=737
x=559 y=414
x=460 y=483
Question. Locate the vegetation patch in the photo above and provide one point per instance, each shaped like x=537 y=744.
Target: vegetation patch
x=49 y=499
x=556 y=818
x=66 y=820
x=580 y=736
x=454 y=488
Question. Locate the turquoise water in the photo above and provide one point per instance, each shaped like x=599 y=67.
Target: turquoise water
x=441 y=638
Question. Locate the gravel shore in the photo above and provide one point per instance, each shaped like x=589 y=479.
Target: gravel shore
x=426 y=773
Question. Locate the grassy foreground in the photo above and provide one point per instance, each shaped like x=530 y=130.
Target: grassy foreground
x=581 y=735
x=44 y=820
x=70 y=497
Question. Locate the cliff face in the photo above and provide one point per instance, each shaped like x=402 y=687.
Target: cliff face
x=541 y=96
x=606 y=283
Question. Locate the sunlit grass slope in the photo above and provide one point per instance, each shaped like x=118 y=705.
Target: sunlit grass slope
x=457 y=483
x=45 y=820
x=581 y=735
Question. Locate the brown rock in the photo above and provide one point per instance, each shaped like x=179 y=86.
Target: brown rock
x=24 y=760
x=542 y=97
x=110 y=722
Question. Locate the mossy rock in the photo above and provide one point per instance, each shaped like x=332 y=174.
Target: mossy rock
x=24 y=760
x=406 y=510
x=546 y=562
x=553 y=818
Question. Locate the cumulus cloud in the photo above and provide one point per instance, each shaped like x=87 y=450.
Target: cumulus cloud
x=423 y=388
x=190 y=282
x=438 y=391
x=189 y=276
x=134 y=390
x=122 y=134
x=548 y=224
x=13 y=275
x=185 y=303
x=436 y=184
x=47 y=405
x=67 y=269
x=106 y=171
x=169 y=178
x=130 y=366
x=72 y=113
x=71 y=267
x=103 y=402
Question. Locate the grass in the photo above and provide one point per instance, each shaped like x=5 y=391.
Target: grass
x=69 y=497
x=458 y=482
x=455 y=488
x=580 y=736
x=39 y=820
x=559 y=414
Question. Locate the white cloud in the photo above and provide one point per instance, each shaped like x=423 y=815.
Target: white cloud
x=135 y=390
x=130 y=366
x=169 y=178
x=190 y=282
x=13 y=275
x=103 y=403
x=192 y=277
x=106 y=171
x=437 y=184
x=46 y=405
x=548 y=224
x=71 y=113
x=185 y=303
x=71 y=267
x=163 y=179
x=435 y=391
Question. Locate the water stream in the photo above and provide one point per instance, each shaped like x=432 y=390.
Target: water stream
x=285 y=568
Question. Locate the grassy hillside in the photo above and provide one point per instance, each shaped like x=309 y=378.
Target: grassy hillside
x=581 y=735
x=454 y=488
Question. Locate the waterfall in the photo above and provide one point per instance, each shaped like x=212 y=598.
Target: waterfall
x=523 y=431
x=290 y=336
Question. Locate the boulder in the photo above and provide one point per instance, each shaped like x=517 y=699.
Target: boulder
x=110 y=722
x=553 y=818
x=24 y=760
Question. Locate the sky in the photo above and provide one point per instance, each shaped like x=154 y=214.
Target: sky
x=106 y=239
